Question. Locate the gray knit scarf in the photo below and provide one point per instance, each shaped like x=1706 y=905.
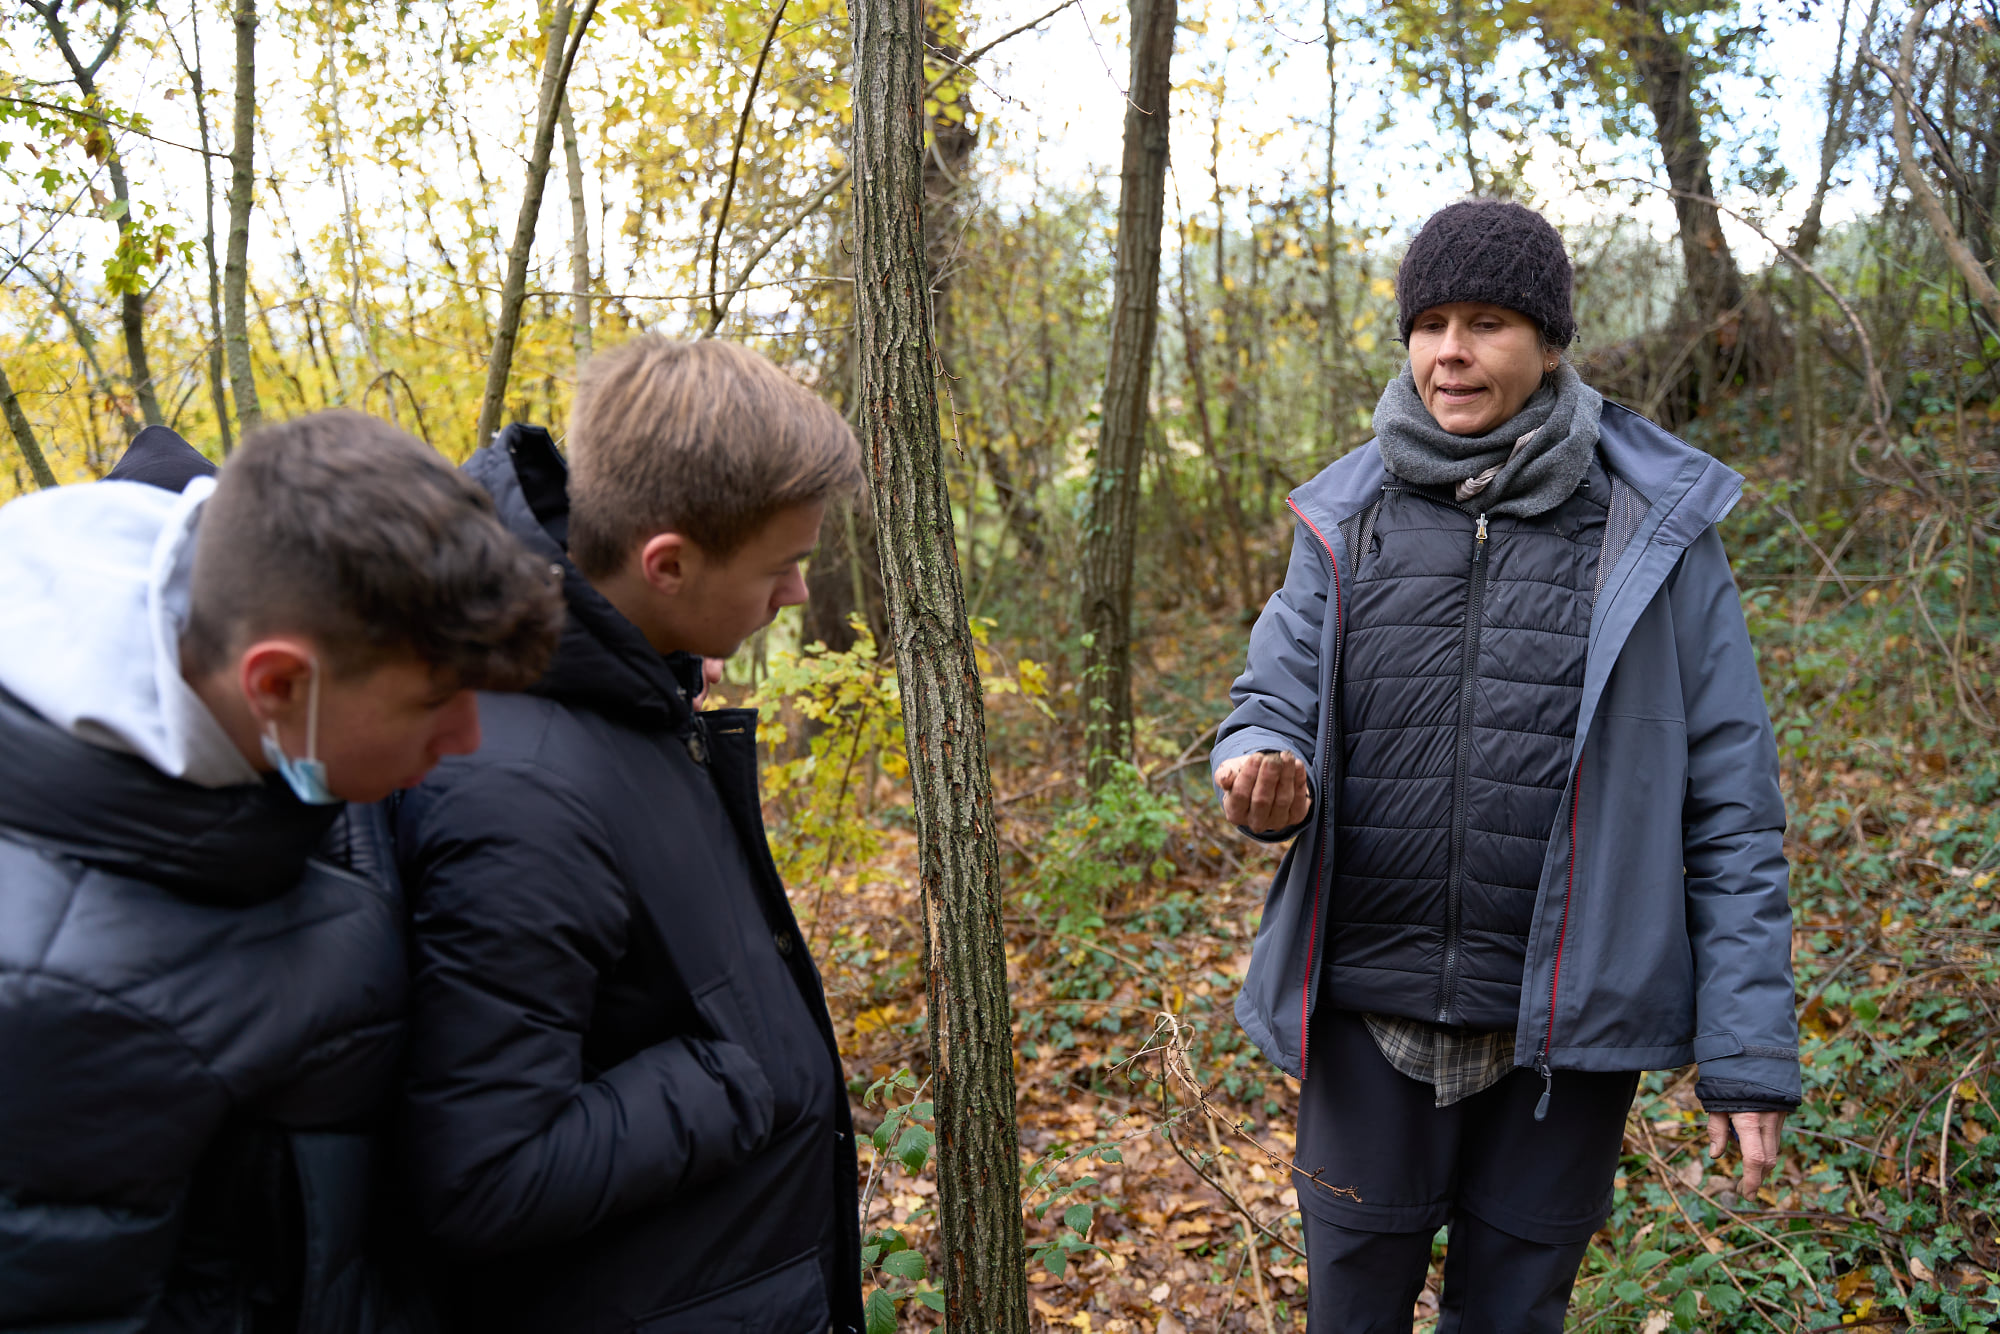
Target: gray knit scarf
x=1525 y=466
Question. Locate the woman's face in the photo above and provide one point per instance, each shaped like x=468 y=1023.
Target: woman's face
x=1475 y=364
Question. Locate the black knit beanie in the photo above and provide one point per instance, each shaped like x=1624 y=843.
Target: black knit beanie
x=1493 y=251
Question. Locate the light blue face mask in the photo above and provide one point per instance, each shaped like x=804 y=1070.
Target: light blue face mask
x=306 y=777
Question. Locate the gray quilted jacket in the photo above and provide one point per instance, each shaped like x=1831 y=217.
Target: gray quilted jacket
x=1661 y=931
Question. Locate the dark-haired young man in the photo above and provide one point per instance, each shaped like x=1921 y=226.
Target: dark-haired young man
x=625 y=1108
x=201 y=990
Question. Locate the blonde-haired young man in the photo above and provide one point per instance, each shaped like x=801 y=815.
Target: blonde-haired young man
x=625 y=1109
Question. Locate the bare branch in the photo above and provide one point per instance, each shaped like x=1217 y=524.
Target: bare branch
x=964 y=64
x=1902 y=103
x=79 y=114
x=735 y=158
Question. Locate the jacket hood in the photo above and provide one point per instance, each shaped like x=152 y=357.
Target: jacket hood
x=230 y=846
x=96 y=579
x=602 y=663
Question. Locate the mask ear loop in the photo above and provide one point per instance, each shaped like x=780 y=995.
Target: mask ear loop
x=312 y=711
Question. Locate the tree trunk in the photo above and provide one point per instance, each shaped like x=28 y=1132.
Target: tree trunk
x=1135 y=305
x=944 y=714
x=945 y=165
x=844 y=578
x=236 y=259
x=1666 y=73
x=131 y=303
x=132 y=312
x=217 y=388
x=557 y=61
x=24 y=434
x=1225 y=487
x=579 y=241
x=86 y=343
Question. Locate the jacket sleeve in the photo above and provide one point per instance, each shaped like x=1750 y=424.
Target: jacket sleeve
x=104 y=1113
x=507 y=1140
x=1733 y=820
x=1276 y=699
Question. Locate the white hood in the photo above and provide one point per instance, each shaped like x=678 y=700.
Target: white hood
x=93 y=598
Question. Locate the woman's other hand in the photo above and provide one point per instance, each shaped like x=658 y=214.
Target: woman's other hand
x=1758 y=1133
x=1265 y=792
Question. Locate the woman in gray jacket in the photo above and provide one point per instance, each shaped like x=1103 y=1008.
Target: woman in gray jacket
x=1506 y=710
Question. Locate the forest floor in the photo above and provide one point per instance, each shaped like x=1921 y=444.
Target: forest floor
x=1138 y=911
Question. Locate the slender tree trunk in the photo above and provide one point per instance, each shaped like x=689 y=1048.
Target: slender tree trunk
x=1017 y=504
x=945 y=164
x=1331 y=321
x=86 y=342
x=132 y=312
x=131 y=303
x=564 y=41
x=579 y=241
x=24 y=434
x=1232 y=508
x=217 y=389
x=1666 y=73
x=1121 y=441
x=236 y=258
x=944 y=715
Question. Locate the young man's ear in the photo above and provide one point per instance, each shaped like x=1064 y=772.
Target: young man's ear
x=666 y=562
x=275 y=675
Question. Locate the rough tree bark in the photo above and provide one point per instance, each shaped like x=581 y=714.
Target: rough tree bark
x=1667 y=76
x=579 y=242
x=24 y=434
x=944 y=716
x=1135 y=306
x=557 y=62
x=131 y=304
x=236 y=256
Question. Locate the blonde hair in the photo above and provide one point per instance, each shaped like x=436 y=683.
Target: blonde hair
x=708 y=440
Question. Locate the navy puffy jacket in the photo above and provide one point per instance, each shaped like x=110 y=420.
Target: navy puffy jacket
x=625 y=1108
x=195 y=1022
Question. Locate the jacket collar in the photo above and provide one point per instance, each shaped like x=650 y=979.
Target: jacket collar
x=603 y=663
x=1685 y=488
x=228 y=846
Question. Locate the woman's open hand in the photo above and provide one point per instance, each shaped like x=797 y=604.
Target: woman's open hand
x=1265 y=792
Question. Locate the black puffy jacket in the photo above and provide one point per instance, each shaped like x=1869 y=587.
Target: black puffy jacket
x=195 y=1019
x=625 y=1108
x=1465 y=653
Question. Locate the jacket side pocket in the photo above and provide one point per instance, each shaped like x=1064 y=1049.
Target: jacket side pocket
x=789 y=1298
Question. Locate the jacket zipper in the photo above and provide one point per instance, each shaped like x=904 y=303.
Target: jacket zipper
x=1468 y=675
x=1325 y=776
x=1555 y=969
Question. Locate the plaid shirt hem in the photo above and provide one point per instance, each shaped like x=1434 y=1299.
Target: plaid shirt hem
x=1456 y=1063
